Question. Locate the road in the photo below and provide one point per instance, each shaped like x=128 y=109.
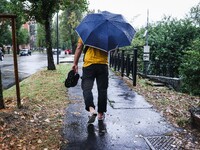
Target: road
x=27 y=65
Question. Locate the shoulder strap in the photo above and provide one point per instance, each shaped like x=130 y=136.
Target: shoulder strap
x=84 y=51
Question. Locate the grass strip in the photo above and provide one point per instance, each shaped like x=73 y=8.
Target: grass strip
x=37 y=125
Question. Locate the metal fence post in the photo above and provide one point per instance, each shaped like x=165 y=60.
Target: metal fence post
x=115 y=62
x=110 y=59
x=122 y=64
x=118 y=61
x=128 y=65
x=134 y=70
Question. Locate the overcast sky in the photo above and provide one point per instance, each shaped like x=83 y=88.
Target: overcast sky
x=138 y=9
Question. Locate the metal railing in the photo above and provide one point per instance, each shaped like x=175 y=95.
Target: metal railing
x=125 y=63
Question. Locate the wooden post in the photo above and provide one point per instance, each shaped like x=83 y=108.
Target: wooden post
x=15 y=62
x=13 y=19
x=2 y=105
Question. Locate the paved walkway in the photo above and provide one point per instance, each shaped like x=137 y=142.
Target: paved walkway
x=130 y=122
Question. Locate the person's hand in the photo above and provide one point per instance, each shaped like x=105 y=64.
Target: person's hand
x=75 y=68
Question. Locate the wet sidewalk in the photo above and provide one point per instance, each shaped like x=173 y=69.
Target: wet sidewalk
x=131 y=123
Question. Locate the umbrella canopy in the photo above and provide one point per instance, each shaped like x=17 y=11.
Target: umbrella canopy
x=105 y=31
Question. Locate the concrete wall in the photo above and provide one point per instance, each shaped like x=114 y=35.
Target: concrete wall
x=175 y=83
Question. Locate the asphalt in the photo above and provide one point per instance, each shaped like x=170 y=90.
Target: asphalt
x=130 y=121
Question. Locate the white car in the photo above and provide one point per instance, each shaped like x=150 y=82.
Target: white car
x=55 y=51
x=24 y=52
x=1 y=55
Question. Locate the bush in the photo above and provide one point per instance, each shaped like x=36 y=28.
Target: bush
x=190 y=72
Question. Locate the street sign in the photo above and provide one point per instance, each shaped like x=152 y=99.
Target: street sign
x=146 y=49
x=145 y=57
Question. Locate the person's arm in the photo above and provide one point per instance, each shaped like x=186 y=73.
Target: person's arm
x=77 y=55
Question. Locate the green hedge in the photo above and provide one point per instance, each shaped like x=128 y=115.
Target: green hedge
x=190 y=72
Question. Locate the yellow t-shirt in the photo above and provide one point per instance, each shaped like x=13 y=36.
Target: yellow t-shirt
x=94 y=56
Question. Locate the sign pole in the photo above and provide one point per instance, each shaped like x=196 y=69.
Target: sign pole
x=146 y=48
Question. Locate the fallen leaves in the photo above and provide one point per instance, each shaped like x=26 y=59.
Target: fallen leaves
x=31 y=128
x=174 y=106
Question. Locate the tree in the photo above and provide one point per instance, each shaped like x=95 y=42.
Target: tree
x=23 y=36
x=70 y=18
x=195 y=14
x=40 y=36
x=64 y=28
x=5 y=34
x=16 y=7
x=42 y=11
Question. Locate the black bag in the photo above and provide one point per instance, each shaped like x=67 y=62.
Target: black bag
x=72 y=79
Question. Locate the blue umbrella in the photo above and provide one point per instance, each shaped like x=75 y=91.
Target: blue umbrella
x=105 y=31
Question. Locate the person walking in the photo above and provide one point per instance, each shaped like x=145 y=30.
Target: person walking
x=95 y=67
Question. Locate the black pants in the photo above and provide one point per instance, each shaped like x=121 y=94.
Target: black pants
x=100 y=73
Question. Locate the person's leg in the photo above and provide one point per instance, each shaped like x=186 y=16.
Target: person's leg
x=102 y=86
x=87 y=85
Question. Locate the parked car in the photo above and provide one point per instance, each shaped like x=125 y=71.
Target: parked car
x=68 y=51
x=1 y=55
x=25 y=52
x=55 y=51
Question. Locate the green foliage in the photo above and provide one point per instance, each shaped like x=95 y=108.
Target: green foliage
x=35 y=8
x=195 y=14
x=190 y=67
x=23 y=36
x=139 y=39
x=168 y=40
x=5 y=35
x=16 y=7
x=40 y=35
x=190 y=70
x=138 y=42
x=3 y=6
x=54 y=34
x=11 y=7
x=70 y=18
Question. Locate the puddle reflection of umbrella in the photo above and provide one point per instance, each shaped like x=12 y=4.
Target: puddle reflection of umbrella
x=105 y=31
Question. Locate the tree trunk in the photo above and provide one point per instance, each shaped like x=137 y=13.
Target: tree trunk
x=1 y=93
x=50 y=60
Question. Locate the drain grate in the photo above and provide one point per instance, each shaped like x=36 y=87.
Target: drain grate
x=163 y=143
